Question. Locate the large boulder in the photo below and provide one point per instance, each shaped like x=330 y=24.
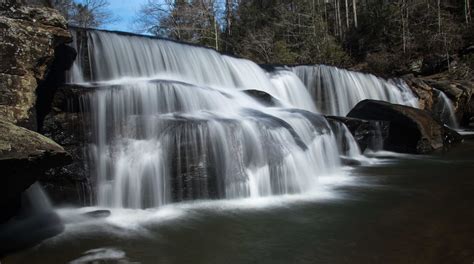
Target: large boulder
x=29 y=39
x=411 y=130
x=368 y=133
x=24 y=156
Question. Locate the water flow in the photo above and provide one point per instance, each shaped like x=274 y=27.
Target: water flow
x=445 y=110
x=336 y=91
x=75 y=74
x=172 y=122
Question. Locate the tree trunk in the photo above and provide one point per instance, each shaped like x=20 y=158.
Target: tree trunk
x=439 y=16
x=229 y=10
x=402 y=12
x=338 y=17
x=347 y=13
x=354 y=6
x=467 y=10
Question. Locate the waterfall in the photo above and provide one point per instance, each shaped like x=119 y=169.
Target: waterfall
x=75 y=74
x=336 y=91
x=172 y=122
x=444 y=109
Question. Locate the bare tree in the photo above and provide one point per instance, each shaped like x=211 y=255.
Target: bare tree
x=191 y=21
x=354 y=7
x=347 y=13
x=467 y=11
x=87 y=13
x=229 y=9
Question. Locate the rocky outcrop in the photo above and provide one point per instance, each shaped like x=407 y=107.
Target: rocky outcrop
x=459 y=93
x=422 y=90
x=34 y=57
x=24 y=156
x=411 y=130
x=29 y=39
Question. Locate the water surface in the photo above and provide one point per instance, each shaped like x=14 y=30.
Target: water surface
x=403 y=209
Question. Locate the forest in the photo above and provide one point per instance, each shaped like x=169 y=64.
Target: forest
x=386 y=37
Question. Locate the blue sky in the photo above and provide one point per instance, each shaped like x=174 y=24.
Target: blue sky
x=125 y=10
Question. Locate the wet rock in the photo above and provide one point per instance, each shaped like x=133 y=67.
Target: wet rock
x=98 y=214
x=69 y=184
x=367 y=133
x=460 y=93
x=411 y=130
x=422 y=90
x=24 y=156
x=262 y=97
x=350 y=162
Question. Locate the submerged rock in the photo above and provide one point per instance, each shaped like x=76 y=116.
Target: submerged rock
x=98 y=214
x=411 y=130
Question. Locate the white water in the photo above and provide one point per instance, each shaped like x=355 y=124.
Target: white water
x=172 y=123
x=75 y=74
x=336 y=91
x=445 y=110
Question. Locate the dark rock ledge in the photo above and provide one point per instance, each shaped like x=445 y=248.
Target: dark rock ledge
x=411 y=130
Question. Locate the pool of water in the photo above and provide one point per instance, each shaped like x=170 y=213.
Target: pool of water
x=399 y=209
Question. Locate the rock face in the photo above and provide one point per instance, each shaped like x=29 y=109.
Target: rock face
x=29 y=37
x=411 y=130
x=34 y=58
x=69 y=184
x=24 y=156
x=422 y=90
x=458 y=91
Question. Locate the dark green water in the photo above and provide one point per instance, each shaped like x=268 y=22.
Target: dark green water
x=405 y=210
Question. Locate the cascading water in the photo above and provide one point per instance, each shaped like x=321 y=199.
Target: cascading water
x=444 y=109
x=172 y=122
x=75 y=74
x=336 y=91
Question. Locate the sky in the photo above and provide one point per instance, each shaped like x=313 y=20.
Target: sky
x=125 y=11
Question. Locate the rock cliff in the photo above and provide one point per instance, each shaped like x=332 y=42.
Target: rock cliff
x=29 y=38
